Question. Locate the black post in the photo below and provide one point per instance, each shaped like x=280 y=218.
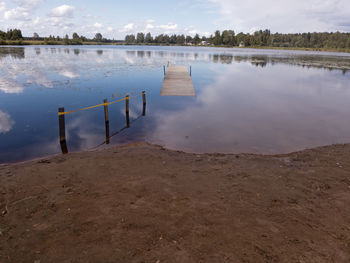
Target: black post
x=106 y=120
x=127 y=111
x=144 y=103
x=164 y=70
x=190 y=70
x=62 y=129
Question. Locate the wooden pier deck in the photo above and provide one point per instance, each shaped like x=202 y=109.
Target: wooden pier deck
x=177 y=82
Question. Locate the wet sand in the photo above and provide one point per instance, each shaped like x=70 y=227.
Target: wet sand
x=144 y=203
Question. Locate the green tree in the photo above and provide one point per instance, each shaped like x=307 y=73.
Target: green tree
x=231 y=37
x=140 y=38
x=225 y=38
x=188 y=39
x=98 y=37
x=16 y=34
x=196 y=39
x=130 y=39
x=75 y=36
x=148 y=38
x=173 y=39
x=180 y=40
x=240 y=38
x=217 y=38
x=66 y=40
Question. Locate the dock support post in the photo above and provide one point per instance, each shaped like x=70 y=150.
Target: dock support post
x=190 y=70
x=144 y=103
x=164 y=70
x=127 y=111
x=106 y=120
x=62 y=130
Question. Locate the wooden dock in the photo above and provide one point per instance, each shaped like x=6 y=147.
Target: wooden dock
x=177 y=82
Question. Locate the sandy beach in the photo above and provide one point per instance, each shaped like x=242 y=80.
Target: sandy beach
x=144 y=203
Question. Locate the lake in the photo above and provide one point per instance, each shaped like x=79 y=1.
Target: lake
x=247 y=100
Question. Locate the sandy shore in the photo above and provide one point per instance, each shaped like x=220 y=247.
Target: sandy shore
x=143 y=203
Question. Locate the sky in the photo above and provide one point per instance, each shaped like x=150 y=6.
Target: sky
x=114 y=18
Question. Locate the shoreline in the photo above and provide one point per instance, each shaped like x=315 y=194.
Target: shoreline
x=42 y=43
x=143 y=203
x=136 y=144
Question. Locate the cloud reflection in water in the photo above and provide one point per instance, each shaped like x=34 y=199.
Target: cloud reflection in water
x=280 y=110
x=6 y=123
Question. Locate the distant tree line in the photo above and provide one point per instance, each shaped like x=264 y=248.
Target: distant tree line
x=258 y=39
x=66 y=40
x=163 y=39
x=299 y=40
x=75 y=39
x=11 y=34
x=262 y=38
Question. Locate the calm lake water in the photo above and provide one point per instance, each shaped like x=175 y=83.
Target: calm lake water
x=253 y=101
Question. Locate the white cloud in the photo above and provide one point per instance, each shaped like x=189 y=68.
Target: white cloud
x=156 y=29
x=23 y=10
x=28 y=4
x=127 y=28
x=6 y=123
x=98 y=25
x=284 y=16
x=69 y=73
x=17 y=13
x=62 y=11
x=109 y=29
x=11 y=86
x=169 y=26
x=2 y=6
x=149 y=26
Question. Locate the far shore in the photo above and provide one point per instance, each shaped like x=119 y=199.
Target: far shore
x=144 y=203
x=89 y=43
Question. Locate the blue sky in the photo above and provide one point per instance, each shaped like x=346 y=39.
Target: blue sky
x=115 y=19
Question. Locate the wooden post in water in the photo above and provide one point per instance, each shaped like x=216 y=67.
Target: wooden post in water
x=164 y=70
x=144 y=103
x=190 y=70
x=127 y=111
x=106 y=120
x=62 y=129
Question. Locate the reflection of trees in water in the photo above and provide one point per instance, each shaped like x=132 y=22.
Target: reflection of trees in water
x=131 y=53
x=308 y=61
x=226 y=59
x=13 y=52
x=140 y=54
x=325 y=62
x=76 y=51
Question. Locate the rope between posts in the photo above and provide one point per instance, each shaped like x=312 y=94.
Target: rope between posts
x=99 y=105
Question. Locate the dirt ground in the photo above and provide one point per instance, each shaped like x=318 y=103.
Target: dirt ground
x=143 y=203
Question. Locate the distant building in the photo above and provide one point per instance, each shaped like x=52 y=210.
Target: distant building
x=203 y=43
x=241 y=44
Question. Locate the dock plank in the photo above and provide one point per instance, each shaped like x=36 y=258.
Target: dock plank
x=177 y=82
